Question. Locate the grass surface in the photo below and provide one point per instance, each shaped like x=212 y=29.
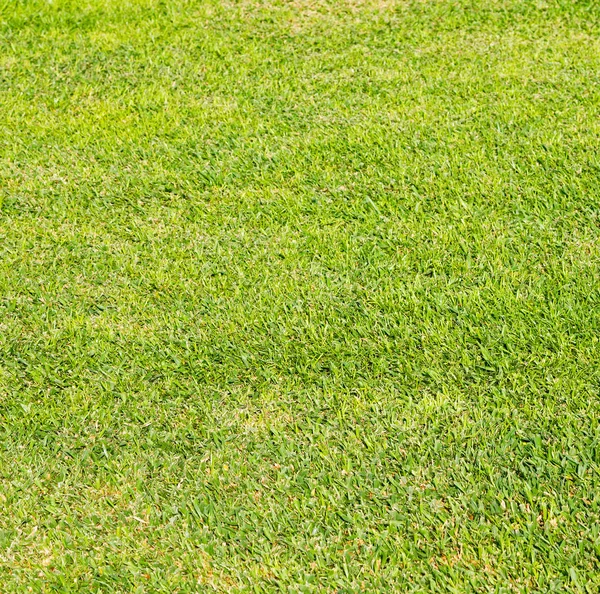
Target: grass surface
x=299 y=296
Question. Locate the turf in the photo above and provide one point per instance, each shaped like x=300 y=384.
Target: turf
x=299 y=296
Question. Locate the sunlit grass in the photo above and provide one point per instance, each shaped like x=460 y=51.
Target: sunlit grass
x=299 y=296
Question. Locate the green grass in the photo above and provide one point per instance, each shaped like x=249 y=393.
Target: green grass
x=299 y=296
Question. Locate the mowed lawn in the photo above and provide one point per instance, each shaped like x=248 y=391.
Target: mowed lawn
x=299 y=296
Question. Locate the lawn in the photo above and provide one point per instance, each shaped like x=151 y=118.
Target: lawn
x=299 y=296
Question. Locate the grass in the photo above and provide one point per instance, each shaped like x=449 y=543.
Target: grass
x=299 y=296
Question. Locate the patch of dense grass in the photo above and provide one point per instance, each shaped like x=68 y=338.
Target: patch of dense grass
x=299 y=296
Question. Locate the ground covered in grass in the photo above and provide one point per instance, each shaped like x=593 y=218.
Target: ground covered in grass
x=299 y=295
